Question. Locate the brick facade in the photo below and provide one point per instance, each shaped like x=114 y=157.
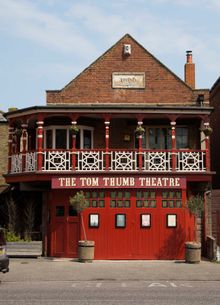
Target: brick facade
x=94 y=84
x=215 y=151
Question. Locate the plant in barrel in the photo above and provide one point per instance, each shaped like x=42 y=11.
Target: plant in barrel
x=79 y=202
x=195 y=204
x=85 y=247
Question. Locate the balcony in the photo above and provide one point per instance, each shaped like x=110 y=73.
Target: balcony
x=157 y=161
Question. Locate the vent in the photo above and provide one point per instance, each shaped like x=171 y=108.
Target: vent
x=127 y=49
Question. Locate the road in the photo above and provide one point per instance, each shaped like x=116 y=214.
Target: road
x=109 y=292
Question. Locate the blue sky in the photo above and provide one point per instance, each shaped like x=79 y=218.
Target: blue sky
x=46 y=43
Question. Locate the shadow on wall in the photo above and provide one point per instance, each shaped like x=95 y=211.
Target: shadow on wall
x=174 y=245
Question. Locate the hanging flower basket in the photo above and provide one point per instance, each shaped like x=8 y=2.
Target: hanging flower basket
x=139 y=131
x=207 y=131
x=74 y=129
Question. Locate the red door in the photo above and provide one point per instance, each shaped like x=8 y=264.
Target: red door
x=64 y=227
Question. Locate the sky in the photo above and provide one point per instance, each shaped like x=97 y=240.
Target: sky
x=44 y=44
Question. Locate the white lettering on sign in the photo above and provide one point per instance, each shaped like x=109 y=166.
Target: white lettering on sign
x=117 y=182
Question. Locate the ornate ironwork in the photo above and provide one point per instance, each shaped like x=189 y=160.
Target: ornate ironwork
x=31 y=162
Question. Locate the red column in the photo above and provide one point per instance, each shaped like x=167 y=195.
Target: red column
x=74 y=123
x=39 y=143
x=10 y=142
x=140 y=150
x=107 y=123
x=173 y=136
x=24 y=143
x=207 y=152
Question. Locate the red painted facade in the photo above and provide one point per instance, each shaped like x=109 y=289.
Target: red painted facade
x=126 y=131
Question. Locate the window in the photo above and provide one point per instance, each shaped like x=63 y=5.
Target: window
x=120 y=220
x=161 y=138
x=182 y=140
x=59 y=137
x=146 y=199
x=120 y=199
x=96 y=199
x=172 y=199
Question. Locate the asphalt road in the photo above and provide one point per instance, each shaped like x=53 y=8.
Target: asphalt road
x=109 y=292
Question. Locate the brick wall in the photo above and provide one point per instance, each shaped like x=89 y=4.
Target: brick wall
x=94 y=85
x=3 y=150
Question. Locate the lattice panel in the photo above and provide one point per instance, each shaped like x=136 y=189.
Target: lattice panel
x=157 y=161
x=123 y=161
x=57 y=161
x=90 y=161
x=191 y=161
x=16 y=163
x=30 y=162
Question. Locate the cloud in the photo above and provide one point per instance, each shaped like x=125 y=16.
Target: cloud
x=24 y=19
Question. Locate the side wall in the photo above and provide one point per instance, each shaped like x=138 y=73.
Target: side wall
x=3 y=150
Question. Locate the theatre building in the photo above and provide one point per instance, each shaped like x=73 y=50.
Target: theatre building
x=127 y=132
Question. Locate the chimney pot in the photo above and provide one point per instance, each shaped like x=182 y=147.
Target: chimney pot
x=189 y=56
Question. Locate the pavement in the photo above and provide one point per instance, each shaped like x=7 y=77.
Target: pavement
x=47 y=269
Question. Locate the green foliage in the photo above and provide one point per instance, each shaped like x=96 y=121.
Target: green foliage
x=139 y=130
x=196 y=204
x=74 y=129
x=12 y=236
x=79 y=201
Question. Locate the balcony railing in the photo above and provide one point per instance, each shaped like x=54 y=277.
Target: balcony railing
x=111 y=161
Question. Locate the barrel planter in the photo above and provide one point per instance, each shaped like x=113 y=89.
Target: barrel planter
x=86 y=251
x=192 y=252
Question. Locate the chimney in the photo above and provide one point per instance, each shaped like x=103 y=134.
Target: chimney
x=189 y=70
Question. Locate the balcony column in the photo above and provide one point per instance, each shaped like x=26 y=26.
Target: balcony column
x=107 y=123
x=40 y=131
x=74 y=133
x=140 y=144
x=24 y=145
x=10 y=146
x=207 y=145
x=173 y=137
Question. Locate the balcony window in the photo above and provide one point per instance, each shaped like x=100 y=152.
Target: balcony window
x=59 y=137
x=161 y=138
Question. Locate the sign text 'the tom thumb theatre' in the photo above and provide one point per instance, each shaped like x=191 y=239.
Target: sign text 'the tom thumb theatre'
x=117 y=182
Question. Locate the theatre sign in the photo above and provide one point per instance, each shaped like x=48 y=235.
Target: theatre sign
x=118 y=182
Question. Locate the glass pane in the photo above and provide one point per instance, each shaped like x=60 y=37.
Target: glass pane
x=72 y=211
x=120 y=220
x=146 y=195
x=171 y=194
x=145 y=203
x=61 y=138
x=101 y=203
x=49 y=143
x=94 y=195
x=178 y=195
x=178 y=203
x=138 y=195
x=120 y=203
x=138 y=203
x=152 y=195
x=164 y=203
x=153 y=203
x=113 y=194
x=113 y=204
x=94 y=203
x=87 y=139
x=101 y=195
x=120 y=195
x=127 y=203
x=87 y=194
x=127 y=194
x=182 y=140
x=60 y=210
x=171 y=204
